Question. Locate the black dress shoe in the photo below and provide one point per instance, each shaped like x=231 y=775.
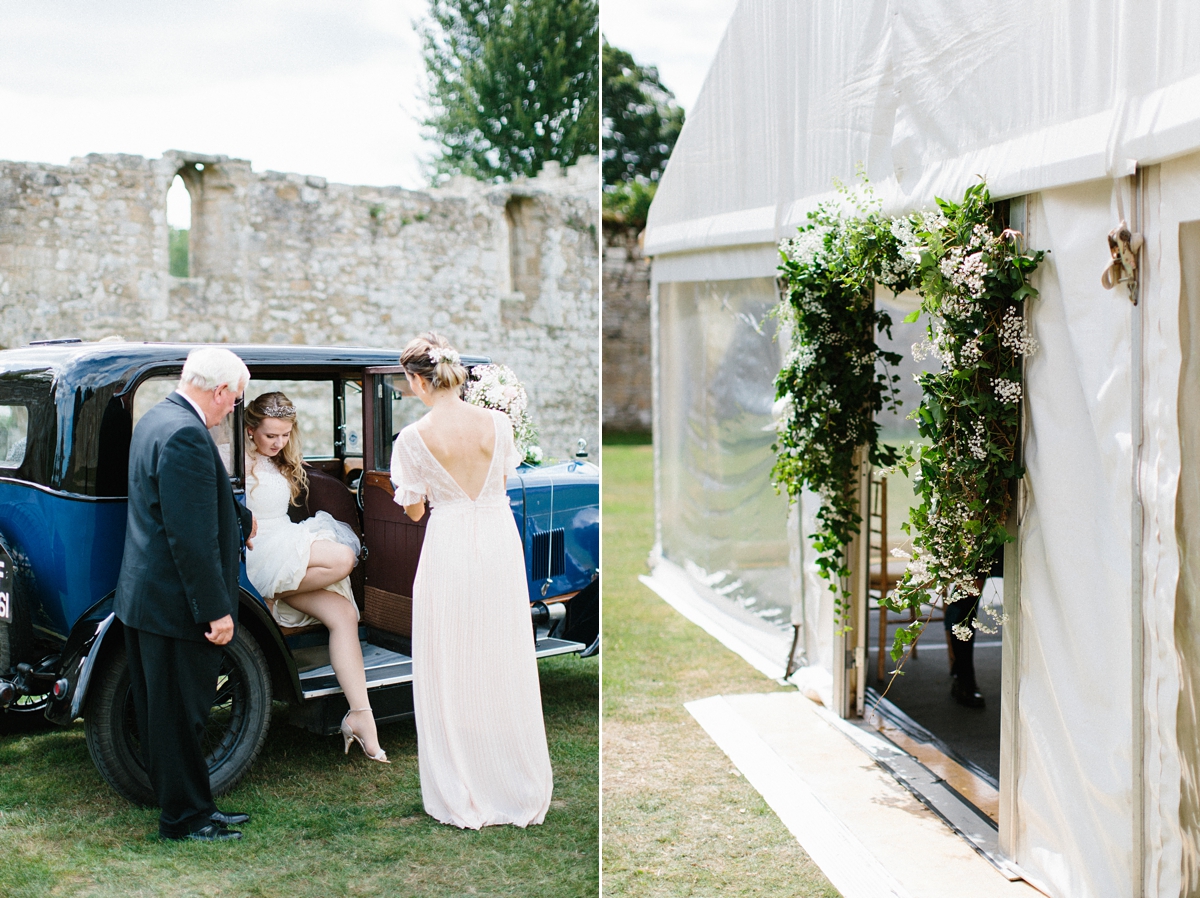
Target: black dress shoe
x=233 y=819
x=966 y=696
x=213 y=832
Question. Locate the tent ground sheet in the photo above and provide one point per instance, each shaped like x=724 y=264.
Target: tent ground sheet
x=922 y=692
x=867 y=833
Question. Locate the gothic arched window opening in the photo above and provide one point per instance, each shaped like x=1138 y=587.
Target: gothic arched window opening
x=179 y=224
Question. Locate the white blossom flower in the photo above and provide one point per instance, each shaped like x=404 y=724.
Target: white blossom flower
x=950 y=263
x=982 y=236
x=935 y=220
x=1015 y=335
x=971 y=353
x=962 y=632
x=989 y=621
x=970 y=275
x=1007 y=391
x=910 y=244
x=806 y=247
x=975 y=442
x=942 y=346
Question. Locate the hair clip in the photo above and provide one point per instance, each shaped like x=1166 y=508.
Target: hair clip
x=438 y=354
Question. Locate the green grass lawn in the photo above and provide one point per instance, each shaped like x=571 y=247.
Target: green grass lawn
x=679 y=820
x=324 y=824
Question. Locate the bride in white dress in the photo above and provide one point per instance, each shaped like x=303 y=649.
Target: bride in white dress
x=481 y=741
x=301 y=569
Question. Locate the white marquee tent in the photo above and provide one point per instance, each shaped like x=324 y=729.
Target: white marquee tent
x=1083 y=113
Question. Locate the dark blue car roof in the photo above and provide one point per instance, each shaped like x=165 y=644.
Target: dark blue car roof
x=71 y=363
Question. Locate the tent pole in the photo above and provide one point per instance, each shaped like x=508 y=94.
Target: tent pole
x=849 y=635
x=655 y=407
x=1136 y=624
x=863 y=581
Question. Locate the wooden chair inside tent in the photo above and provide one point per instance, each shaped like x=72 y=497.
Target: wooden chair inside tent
x=886 y=571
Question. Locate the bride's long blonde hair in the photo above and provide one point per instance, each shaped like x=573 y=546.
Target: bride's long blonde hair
x=289 y=460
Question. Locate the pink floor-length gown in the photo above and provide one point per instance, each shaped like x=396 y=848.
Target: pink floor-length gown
x=481 y=741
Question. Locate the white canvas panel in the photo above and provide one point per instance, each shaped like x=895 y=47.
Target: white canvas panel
x=1075 y=740
x=1187 y=533
x=925 y=96
x=1169 y=470
x=797 y=87
x=731 y=264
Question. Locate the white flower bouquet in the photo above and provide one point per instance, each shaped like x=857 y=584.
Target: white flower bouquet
x=497 y=387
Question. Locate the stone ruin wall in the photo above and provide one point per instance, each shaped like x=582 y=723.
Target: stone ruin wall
x=628 y=406
x=510 y=271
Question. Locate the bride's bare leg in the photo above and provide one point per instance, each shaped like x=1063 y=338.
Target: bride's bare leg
x=328 y=562
x=345 y=654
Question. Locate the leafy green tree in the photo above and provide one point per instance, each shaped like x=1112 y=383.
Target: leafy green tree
x=641 y=119
x=512 y=84
x=628 y=202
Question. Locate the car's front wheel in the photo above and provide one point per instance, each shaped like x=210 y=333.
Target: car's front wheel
x=237 y=726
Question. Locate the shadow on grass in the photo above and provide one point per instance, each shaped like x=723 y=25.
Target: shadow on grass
x=323 y=823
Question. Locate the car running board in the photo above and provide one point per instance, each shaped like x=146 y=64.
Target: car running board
x=387 y=668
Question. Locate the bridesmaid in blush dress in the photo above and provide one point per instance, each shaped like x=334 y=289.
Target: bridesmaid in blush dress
x=481 y=741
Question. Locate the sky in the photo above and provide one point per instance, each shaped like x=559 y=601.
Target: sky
x=309 y=86
x=679 y=36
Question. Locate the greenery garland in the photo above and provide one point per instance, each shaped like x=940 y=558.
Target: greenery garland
x=973 y=276
x=831 y=385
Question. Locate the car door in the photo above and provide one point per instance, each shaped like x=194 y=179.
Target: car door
x=393 y=541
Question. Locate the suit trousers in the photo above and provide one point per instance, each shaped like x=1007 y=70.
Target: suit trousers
x=962 y=651
x=174 y=683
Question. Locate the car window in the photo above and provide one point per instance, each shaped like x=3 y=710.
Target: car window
x=154 y=390
x=151 y=392
x=352 y=393
x=14 y=431
x=314 y=411
x=406 y=408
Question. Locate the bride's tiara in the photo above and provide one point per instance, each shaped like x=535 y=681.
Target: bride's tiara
x=437 y=355
x=275 y=410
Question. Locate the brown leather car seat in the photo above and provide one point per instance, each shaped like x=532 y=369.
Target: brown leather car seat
x=327 y=493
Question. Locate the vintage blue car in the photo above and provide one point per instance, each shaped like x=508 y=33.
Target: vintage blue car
x=67 y=411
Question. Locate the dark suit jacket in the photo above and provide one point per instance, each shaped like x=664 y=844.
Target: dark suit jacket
x=184 y=530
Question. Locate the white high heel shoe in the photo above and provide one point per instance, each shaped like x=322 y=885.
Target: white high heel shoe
x=348 y=736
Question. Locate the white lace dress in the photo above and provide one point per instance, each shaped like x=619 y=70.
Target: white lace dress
x=481 y=741
x=279 y=558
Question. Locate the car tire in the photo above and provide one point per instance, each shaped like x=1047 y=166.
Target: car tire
x=237 y=725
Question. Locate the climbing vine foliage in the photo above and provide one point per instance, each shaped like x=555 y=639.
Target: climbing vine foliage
x=972 y=275
x=834 y=377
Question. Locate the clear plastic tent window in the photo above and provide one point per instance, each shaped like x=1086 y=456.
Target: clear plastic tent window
x=722 y=520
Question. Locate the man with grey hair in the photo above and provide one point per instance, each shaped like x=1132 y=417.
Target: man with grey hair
x=178 y=589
